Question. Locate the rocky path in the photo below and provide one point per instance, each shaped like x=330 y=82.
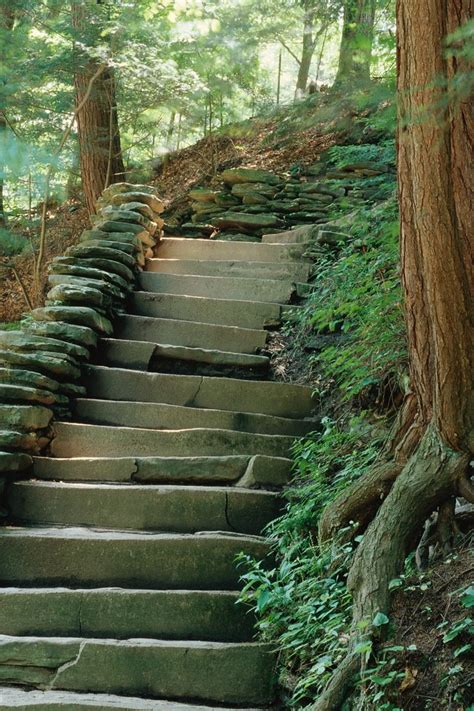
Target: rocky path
x=118 y=566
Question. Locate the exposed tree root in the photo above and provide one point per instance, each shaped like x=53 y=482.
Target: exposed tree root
x=426 y=483
x=360 y=501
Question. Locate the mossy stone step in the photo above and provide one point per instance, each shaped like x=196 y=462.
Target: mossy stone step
x=232 y=394
x=123 y=613
x=158 y=416
x=75 y=440
x=190 y=334
x=226 y=312
x=218 y=287
x=184 y=248
x=90 y=558
x=216 y=672
x=144 y=355
x=294 y=271
x=177 y=509
x=241 y=470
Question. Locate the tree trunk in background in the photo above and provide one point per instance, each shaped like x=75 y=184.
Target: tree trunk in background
x=7 y=20
x=356 y=42
x=309 y=45
x=436 y=184
x=97 y=121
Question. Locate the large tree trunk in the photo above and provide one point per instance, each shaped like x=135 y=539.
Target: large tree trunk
x=436 y=184
x=97 y=121
x=356 y=42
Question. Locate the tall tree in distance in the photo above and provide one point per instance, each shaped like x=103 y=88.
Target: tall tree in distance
x=356 y=42
x=415 y=489
x=97 y=120
x=7 y=19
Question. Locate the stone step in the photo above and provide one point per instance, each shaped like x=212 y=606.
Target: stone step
x=215 y=672
x=235 y=470
x=144 y=355
x=73 y=439
x=226 y=312
x=294 y=271
x=265 y=290
x=231 y=394
x=82 y=557
x=185 y=248
x=121 y=614
x=190 y=334
x=177 y=509
x=14 y=698
x=158 y=416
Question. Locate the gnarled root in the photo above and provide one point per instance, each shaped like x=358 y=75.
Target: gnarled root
x=360 y=501
x=426 y=482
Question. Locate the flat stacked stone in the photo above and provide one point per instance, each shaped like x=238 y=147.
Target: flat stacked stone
x=40 y=365
x=249 y=197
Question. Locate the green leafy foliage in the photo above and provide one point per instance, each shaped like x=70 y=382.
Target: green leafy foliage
x=303 y=604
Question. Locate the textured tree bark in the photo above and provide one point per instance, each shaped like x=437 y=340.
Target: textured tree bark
x=97 y=121
x=436 y=186
x=356 y=42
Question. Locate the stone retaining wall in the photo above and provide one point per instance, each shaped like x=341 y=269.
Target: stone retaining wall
x=40 y=365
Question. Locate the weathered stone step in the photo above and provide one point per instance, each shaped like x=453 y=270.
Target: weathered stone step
x=82 y=440
x=276 y=399
x=178 y=509
x=215 y=672
x=185 y=248
x=120 y=613
x=241 y=470
x=190 y=334
x=90 y=558
x=145 y=355
x=227 y=312
x=294 y=271
x=14 y=698
x=150 y=415
x=266 y=290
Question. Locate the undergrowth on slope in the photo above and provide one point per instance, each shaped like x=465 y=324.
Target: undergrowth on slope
x=352 y=326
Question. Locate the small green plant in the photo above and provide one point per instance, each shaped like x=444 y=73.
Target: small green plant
x=303 y=604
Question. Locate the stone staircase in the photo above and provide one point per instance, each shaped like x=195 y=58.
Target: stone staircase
x=118 y=573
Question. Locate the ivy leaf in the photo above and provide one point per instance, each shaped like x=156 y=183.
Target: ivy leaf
x=380 y=619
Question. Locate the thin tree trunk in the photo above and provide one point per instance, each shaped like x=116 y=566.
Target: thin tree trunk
x=356 y=42
x=308 y=50
x=279 y=79
x=97 y=121
x=7 y=20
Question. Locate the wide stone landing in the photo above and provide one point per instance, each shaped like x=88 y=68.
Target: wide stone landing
x=119 y=581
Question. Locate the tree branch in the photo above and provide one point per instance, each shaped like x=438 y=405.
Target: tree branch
x=290 y=51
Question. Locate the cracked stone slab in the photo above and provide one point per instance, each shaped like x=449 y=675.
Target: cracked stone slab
x=150 y=415
x=264 y=397
x=179 y=509
x=124 y=613
x=155 y=668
